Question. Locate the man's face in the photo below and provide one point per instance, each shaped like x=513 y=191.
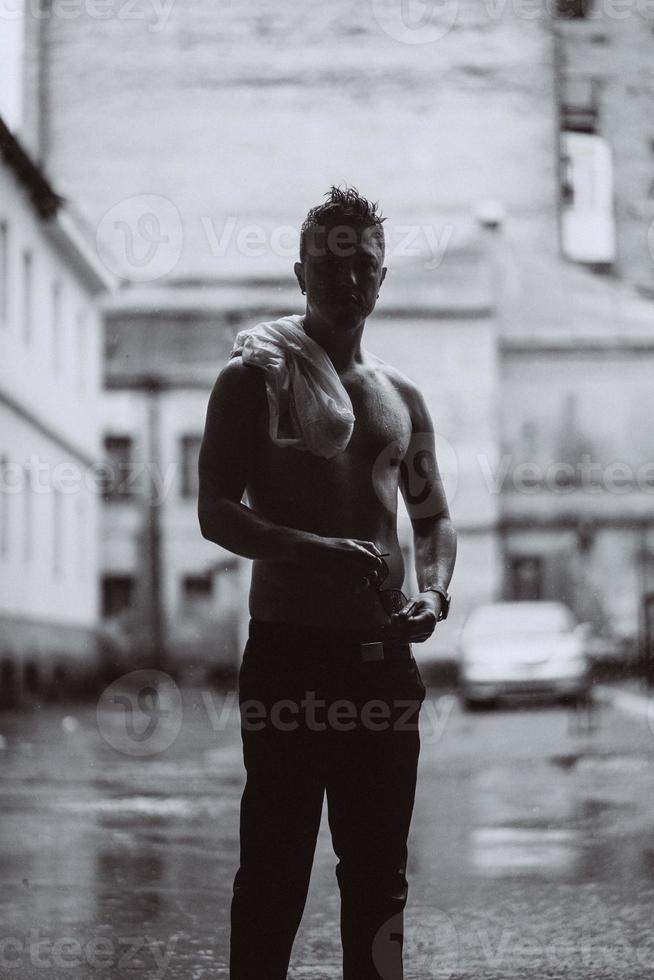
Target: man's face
x=342 y=272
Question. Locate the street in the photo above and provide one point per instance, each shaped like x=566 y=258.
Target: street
x=532 y=849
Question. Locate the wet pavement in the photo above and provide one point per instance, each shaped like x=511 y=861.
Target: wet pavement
x=532 y=849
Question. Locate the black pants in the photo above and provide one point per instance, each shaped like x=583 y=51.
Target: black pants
x=317 y=718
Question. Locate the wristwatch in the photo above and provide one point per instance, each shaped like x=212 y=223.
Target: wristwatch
x=445 y=608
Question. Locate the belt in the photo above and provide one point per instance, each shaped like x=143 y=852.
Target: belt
x=367 y=646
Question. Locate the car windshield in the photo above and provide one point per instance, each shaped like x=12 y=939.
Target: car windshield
x=520 y=619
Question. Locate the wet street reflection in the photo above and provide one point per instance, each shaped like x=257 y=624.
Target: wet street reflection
x=532 y=848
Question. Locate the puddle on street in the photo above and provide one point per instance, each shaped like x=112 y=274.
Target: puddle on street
x=516 y=850
x=578 y=823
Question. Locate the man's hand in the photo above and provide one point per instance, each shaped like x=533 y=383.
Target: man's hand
x=416 y=621
x=347 y=561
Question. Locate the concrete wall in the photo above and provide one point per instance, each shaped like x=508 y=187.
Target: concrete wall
x=246 y=113
x=560 y=404
x=577 y=472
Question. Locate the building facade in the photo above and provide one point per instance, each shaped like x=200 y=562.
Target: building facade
x=605 y=96
x=174 y=596
x=577 y=344
x=50 y=375
x=517 y=233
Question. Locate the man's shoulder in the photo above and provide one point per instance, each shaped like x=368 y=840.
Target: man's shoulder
x=403 y=384
x=407 y=389
x=238 y=381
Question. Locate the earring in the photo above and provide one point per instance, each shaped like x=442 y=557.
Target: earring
x=304 y=292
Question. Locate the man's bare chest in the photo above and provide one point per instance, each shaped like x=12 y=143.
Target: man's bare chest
x=382 y=429
x=382 y=420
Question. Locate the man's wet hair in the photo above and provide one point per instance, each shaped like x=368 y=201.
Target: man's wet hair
x=344 y=208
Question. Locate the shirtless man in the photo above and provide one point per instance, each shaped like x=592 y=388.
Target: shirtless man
x=316 y=530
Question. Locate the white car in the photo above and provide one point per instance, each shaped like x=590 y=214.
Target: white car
x=523 y=649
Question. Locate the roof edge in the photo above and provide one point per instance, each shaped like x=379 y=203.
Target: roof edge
x=44 y=198
x=66 y=234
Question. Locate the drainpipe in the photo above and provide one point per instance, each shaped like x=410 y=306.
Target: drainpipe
x=154 y=613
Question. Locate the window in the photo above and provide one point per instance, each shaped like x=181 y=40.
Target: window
x=4 y=506
x=27 y=295
x=118 y=482
x=580 y=103
x=81 y=537
x=197 y=594
x=31 y=677
x=190 y=452
x=55 y=313
x=28 y=515
x=526 y=577
x=587 y=222
x=4 y=271
x=117 y=594
x=80 y=346
x=57 y=536
x=573 y=9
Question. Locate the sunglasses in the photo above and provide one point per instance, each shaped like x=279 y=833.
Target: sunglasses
x=392 y=600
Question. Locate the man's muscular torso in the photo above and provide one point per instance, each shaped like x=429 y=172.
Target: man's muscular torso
x=354 y=494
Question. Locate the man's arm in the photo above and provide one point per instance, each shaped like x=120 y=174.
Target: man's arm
x=434 y=537
x=226 y=457
x=225 y=466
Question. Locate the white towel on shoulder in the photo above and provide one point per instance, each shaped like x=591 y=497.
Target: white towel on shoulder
x=308 y=406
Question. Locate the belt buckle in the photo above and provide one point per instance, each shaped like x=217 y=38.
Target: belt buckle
x=372 y=651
